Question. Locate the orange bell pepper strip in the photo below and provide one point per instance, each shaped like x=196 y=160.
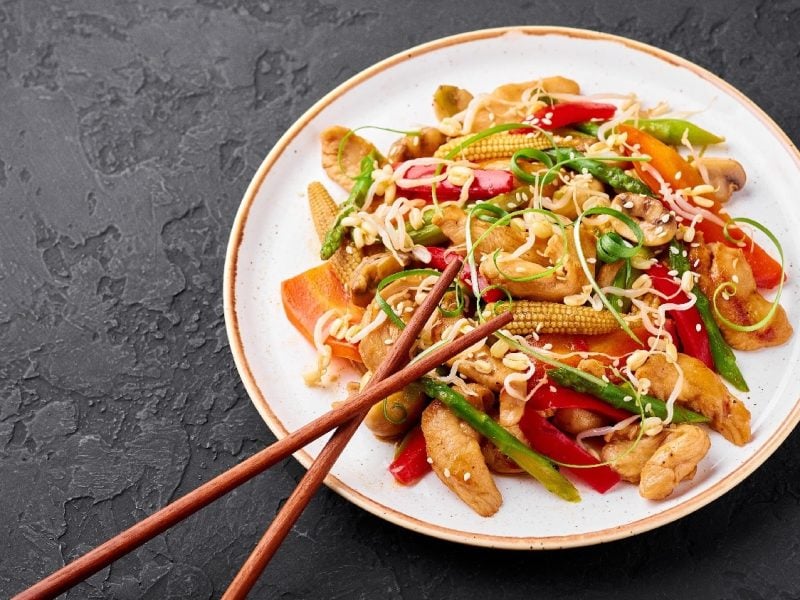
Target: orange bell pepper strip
x=666 y=160
x=308 y=296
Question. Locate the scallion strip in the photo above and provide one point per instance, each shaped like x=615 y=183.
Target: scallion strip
x=729 y=287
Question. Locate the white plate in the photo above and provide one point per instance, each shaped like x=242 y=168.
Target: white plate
x=272 y=239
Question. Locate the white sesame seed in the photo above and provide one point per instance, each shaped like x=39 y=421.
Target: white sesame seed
x=446 y=472
x=429 y=460
x=553 y=389
x=698 y=328
x=467 y=476
x=388 y=341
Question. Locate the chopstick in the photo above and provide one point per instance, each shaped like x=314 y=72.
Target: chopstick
x=143 y=531
x=398 y=357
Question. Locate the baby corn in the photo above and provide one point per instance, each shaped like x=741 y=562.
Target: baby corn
x=550 y=317
x=323 y=212
x=499 y=145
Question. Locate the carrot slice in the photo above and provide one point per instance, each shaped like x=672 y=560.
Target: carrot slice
x=308 y=296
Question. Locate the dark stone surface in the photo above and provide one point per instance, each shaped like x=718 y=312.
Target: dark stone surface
x=128 y=133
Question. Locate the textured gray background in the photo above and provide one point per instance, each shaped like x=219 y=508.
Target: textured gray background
x=128 y=133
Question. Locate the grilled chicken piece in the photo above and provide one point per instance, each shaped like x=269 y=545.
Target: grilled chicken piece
x=416 y=146
x=453 y=222
x=486 y=370
x=552 y=288
x=719 y=264
x=499 y=462
x=628 y=457
x=505 y=104
x=397 y=413
x=374 y=348
x=577 y=420
x=675 y=460
x=455 y=451
x=702 y=391
x=369 y=273
x=355 y=148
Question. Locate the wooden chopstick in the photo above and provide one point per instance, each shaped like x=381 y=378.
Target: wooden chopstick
x=143 y=531
x=398 y=357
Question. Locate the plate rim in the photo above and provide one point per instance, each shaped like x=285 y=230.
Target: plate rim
x=395 y=516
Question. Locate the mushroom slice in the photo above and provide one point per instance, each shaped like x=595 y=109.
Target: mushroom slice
x=658 y=225
x=355 y=148
x=627 y=456
x=456 y=458
x=725 y=174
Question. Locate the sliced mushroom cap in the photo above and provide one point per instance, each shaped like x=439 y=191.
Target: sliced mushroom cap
x=725 y=174
x=657 y=224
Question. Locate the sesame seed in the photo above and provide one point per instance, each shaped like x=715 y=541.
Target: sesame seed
x=553 y=389
x=698 y=328
x=429 y=460
x=446 y=472
x=467 y=476
x=628 y=204
x=388 y=341
x=547 y=346
x=735 y=279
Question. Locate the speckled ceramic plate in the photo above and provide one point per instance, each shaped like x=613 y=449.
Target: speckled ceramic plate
x=272 y=239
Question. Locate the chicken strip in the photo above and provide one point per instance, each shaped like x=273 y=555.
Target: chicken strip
x=355 y=148
x=675 y=460
x=627 y=457
x=568 y=280
x=453 y=222
x=455 y=452
x=702 y=391
x=717 y=264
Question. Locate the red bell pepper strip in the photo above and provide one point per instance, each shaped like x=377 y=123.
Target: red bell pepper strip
x=678 y=173
x=551 y=395
x=689 y=323
x=488 y=183
x=546 y=439
x=411 y=461
x=440 y=258
x=766 y=270
x=568 y=113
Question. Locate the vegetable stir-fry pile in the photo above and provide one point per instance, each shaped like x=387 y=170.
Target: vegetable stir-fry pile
x=604 y=228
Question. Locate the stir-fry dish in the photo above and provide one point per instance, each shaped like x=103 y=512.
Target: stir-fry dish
x=604 y=228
